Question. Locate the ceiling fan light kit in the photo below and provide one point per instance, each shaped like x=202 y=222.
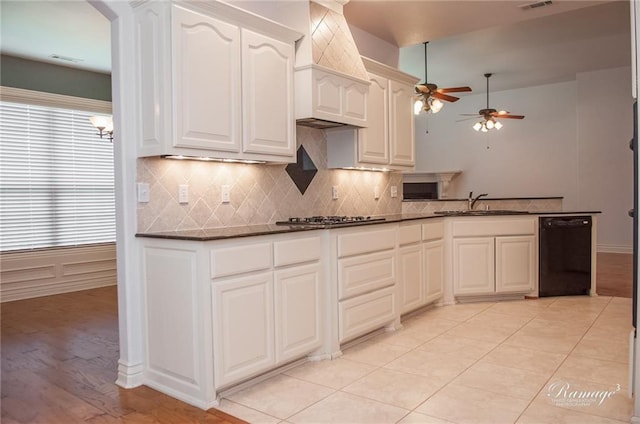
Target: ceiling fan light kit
x=488 y=116
x=429 y=97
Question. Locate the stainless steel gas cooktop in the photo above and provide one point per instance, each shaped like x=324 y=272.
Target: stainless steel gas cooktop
x=330 y=220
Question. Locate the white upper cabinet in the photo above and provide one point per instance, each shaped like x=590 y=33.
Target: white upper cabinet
x=215 y=82
x=387 y=141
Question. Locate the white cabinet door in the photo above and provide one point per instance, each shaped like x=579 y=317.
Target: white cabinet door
x=243 y=327
x=267 y=93
x=298 y=311
x=401 y=124
x=207 y=86
x=410 y=279
x=473 y=265
x=433 y=268
x=373 y=141
x=515 y=263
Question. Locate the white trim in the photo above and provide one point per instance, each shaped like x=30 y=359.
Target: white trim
x=40 y=98
x=44 y=272
x=130 y=376
x=615 y=248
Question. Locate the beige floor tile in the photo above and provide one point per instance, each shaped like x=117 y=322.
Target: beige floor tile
x=540 y=412
x=545 y=363
x=600 y=349
x=281 y=396
x=394 y=388
x=603 y=400
x=454 y=345
x=440 y=367
x=577 y=368
x=407 y=337
x=544 y=327
x=372 y=353
x=347 y=408
x=484 y=332
x=489 y=317
x=335 y=374
x=247 y=414
x=608 y=334
x=520 y=308
x=462 y=404
x=429 y=324
x=458 y=312
x=502 y=380
x=562 y=345
x=417 y=418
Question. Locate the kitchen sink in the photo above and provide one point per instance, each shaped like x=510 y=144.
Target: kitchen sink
x=481 y=212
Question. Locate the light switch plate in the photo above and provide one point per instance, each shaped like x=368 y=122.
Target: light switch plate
x=334 y=192
x=376 y=192
x=394 y=191
x=143 y=192
x=226 y=194
x=183 y=193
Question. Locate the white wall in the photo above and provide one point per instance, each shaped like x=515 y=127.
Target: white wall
x=572 y=143
x=605 y=162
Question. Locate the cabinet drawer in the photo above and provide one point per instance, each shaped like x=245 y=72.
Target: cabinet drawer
x=288 y=252
x=240 y=259
x=366 y=241
x=478 y=227
x=433 y=230
x=365 y=273
x=409 y=234
x=366 y=313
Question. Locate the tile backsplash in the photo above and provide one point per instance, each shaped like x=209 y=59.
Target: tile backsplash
x=260 y=194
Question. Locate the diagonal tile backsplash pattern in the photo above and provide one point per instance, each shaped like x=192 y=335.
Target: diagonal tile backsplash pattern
x=260 y=194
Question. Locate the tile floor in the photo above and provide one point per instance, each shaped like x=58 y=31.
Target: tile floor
x=551 y=360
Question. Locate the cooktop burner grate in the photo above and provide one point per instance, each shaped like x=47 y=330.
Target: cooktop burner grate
x=329 y=220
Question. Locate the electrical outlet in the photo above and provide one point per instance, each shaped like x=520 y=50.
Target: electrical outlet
x=183 y=193
x=334 y=192
x=226 y=194
x=143 y=192
x=394 y=191
x=376 y=192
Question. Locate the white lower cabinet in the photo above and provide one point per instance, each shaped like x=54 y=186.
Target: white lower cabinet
x=366 y=278
x=298 y=311
x=266 y=305
x=498 y=257
x=420 y=264
x=243 y=328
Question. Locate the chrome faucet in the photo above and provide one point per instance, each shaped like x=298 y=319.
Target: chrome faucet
x=471 y=202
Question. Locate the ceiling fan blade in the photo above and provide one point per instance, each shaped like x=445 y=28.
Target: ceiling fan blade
x=445 y=97
x=454 y=90
x=468 y=119
x=470 y=114
x=507 y=115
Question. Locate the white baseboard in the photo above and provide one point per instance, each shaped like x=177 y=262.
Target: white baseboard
x=130 y=376
x=614 y=248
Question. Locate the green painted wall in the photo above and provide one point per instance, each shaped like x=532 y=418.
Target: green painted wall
x=39 y=76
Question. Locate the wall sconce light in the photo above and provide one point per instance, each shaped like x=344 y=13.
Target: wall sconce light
x=104 y=124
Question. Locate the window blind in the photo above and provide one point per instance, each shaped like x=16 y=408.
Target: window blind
x=56 y=179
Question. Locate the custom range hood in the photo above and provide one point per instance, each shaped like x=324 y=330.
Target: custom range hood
x=331 y=81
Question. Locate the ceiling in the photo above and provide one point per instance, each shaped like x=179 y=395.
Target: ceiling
x=521 y=48
x=466 y=38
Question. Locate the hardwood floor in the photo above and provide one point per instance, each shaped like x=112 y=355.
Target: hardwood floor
x=59 y=363
x=60 y=353
x=614 y=275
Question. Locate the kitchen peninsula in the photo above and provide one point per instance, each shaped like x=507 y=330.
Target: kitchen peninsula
x=224 y=306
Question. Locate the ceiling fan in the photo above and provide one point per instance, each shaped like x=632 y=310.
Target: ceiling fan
x=429 y=96
x=489 y=116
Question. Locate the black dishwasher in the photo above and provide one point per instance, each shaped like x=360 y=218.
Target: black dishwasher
x=565 y=256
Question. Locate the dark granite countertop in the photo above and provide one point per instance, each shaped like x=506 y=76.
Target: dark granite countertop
x=266 y=229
